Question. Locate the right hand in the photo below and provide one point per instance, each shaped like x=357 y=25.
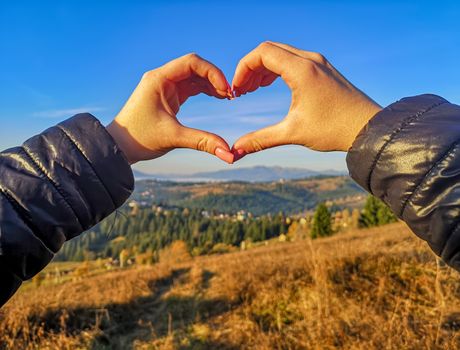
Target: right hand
x=326 y=113
x=147 y=126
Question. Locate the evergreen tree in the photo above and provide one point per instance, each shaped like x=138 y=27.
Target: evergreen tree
x=385 y=215
x=321 y=222
x=153 y=231
x=376 y=213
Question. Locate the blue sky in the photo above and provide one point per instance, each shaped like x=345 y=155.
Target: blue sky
x=60 y=58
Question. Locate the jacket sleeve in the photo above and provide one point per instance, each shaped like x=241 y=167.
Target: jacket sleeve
x=408 y=155
x=52 y=188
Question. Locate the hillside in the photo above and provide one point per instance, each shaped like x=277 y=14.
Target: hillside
x=205 y=214
x=368 y=289
x=291 y=196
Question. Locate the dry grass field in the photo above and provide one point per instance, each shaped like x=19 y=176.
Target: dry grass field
x=370 y=289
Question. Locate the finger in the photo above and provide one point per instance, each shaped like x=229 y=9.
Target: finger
x=186 y=66
x=246 y=77
x=255 y=83
x=193 y=90
x=188 y=88
x=204 y=141
x=244 y=88
x=271 y=136
x=260 y=80
x=292 y=49
x=267 y=57
x=268 y=79
x=314 y=56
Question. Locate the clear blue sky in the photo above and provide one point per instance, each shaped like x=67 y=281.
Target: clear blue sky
x=59 y=58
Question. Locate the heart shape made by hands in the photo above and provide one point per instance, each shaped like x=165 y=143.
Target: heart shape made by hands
x=326 y=111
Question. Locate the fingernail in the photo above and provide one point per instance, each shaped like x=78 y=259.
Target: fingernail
x=230 y=94
x=222 y=92
x=226 y=156
x=238 y=154
x=234 y=91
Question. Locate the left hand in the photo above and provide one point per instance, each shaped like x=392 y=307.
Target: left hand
x=147 y=126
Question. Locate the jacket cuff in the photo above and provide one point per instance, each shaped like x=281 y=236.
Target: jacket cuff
x=387 y=152
x=100 y=150
x=86 y=176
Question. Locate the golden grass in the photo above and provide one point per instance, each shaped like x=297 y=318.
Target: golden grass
x=371 y=289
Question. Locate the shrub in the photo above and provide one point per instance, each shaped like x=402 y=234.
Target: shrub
x=376 y=213
x=175 y=253
x=221 y=248
x=321 y=222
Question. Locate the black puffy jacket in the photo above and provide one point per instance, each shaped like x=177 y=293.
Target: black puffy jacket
x=52 y=188
x=409 y=156
x=65 y=180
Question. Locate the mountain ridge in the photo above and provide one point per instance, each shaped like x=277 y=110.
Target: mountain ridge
x=257 y=173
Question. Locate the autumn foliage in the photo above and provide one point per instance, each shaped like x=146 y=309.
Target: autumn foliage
x=380 y=288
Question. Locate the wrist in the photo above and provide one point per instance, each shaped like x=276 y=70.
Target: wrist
x=359 y=120
x=121 y=137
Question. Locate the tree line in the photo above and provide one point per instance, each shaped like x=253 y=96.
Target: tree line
x=375 y=213
x=149 y=230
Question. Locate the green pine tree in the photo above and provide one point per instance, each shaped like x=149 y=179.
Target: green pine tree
x=321 y=222
x=375 y=213
x=385 y=215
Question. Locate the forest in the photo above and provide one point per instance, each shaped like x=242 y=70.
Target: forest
x=149 y=230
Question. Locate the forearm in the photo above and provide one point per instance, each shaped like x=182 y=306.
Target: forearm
x=55 y=186
x=408 y=155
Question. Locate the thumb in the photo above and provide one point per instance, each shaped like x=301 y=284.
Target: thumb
x=271 y=136
x=204 y=141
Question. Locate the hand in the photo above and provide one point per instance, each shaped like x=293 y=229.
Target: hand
x=147 y=127
x=326 y=113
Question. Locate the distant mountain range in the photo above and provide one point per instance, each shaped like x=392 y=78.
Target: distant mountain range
x=289 y=196
x=249 y=174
